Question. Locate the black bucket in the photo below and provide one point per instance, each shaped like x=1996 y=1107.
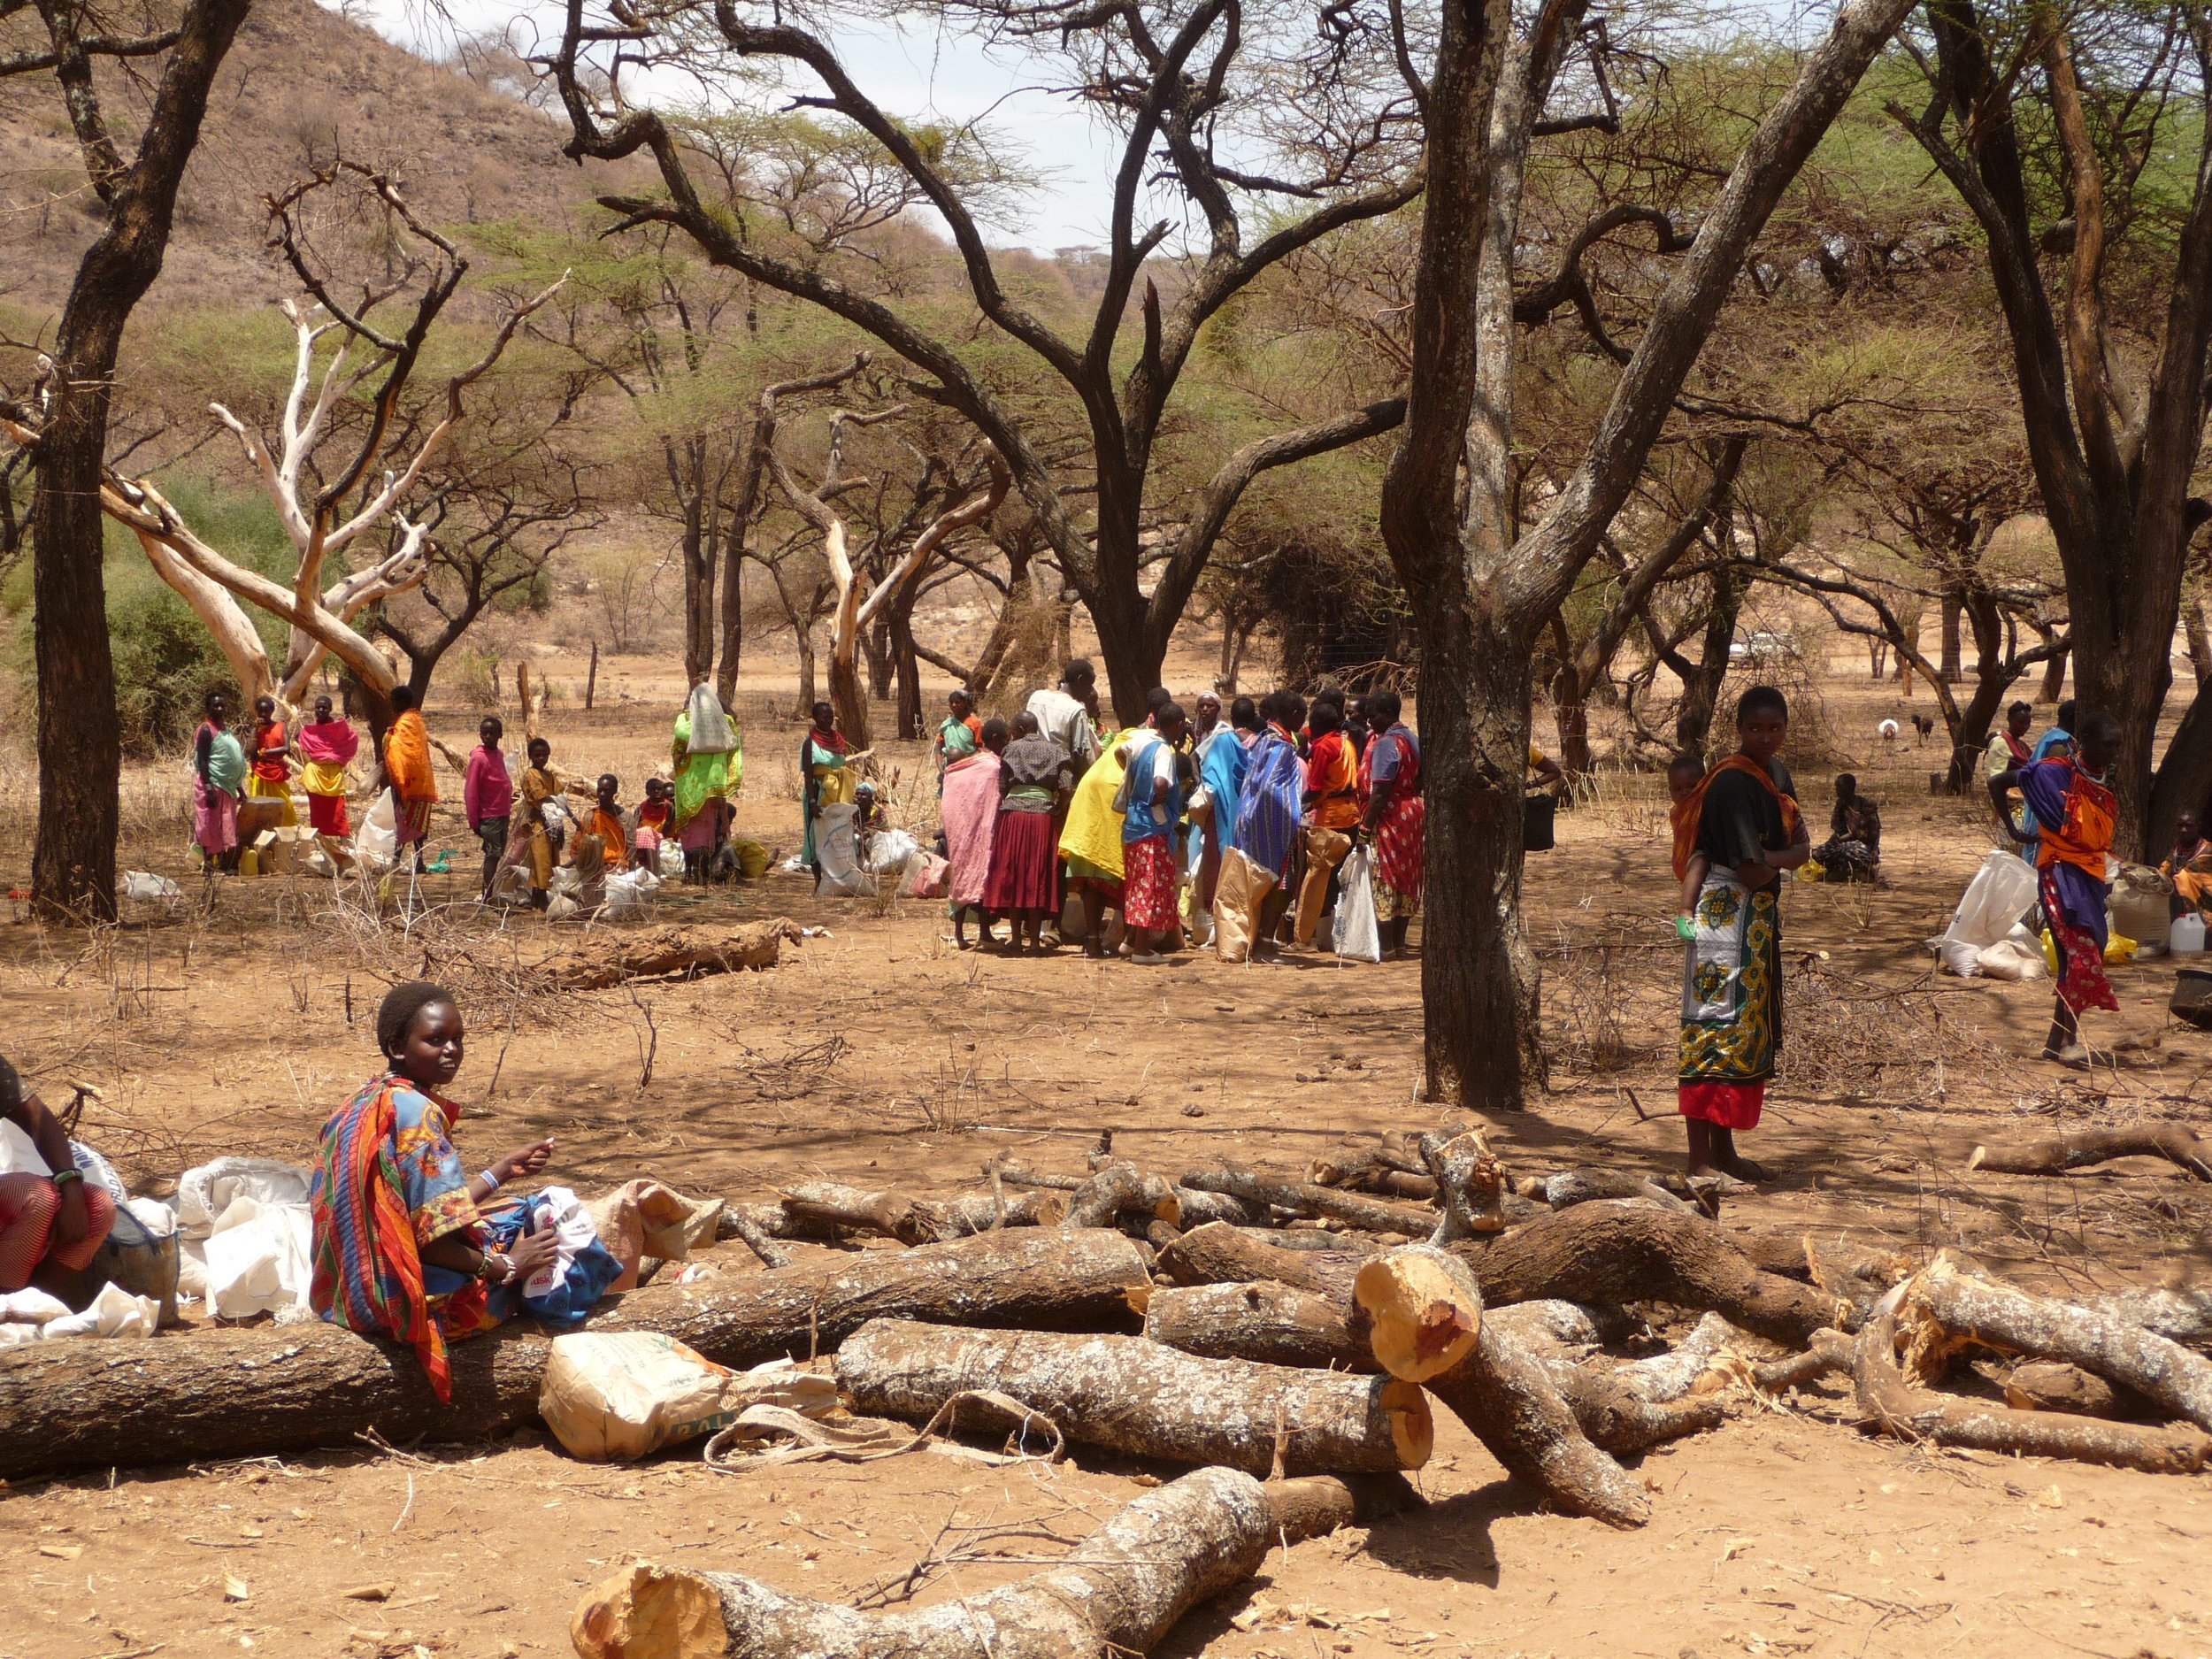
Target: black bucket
x=2191 y=1003
x=1539 y=813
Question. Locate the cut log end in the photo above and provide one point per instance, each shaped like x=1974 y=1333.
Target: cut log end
x=1423 y=1315
x=648 y=1612
x=1412 y=1424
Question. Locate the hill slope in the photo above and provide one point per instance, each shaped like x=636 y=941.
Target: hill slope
x=300 y=84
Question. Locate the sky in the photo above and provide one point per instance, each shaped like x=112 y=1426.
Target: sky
x=917 y=73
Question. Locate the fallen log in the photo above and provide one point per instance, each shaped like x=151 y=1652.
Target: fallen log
x=1619 y=1421
x=746 y=1227
x=617 y=958
x=1566 y=1188
x=814 y=1205
x=1616 y=1251
x=1890 y=1405
x=1425 y=1310
x=1218 y=1255
x=2077 y=1148
x=1141 y=1399
x=1199 y=1207
x=2003 y=1317
x=2180 y=1315
x=1387 y=1175
x=2049 y=1384
x=1830 y=1353
x=1275 y=1325
x=1120 y=1591
x=1120 y=1188
x=192 y=1396
x=1304 y=1198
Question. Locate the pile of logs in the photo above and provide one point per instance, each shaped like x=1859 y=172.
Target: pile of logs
x=1289 y=1338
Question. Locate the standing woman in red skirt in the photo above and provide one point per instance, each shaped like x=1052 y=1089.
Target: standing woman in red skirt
x=1036 y=775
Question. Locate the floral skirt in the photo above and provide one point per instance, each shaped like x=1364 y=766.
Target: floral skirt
x=1732 y=1004
x=1148 y=884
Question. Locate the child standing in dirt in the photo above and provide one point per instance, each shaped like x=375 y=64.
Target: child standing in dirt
x=652 y=822
x=489 y=795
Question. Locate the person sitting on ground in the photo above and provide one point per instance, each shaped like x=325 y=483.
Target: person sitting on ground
x=489 y=795
x=1036 y=775
x=327 y=746
x=652 y=823
x=219 y=778
x=407 y=770
x=603 y=822
x=1153 y=787
x=2189 y=866
x=1853 y=851
x=1685 y=773
x=403 y=1245
x=269 y=778
x=2075 y=812
x=55 y=1219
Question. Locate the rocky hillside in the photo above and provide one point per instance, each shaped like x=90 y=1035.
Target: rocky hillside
x=300 y=84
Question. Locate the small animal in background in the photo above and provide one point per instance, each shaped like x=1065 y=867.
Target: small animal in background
x=1888 y=730
x=1923 y=724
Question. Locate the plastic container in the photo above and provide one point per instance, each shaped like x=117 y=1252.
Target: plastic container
x=2185 y=936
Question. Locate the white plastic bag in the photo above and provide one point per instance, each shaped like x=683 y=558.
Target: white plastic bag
x=145 y=888
x=377 y=841
x=671 y=861
x=257 y=1258
x=32 y=1316
x=835 y=849
x=1358 y=933
x=630 y=892
x=889 y=851
x=1999 y=895
x=206 y=1190
x=621 y=1394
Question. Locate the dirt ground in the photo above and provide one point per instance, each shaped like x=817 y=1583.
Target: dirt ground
x=878 y=1054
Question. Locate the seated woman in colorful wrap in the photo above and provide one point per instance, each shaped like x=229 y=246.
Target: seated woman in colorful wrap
x=407 y=1244
x=2189 y=866
x=2073 y=812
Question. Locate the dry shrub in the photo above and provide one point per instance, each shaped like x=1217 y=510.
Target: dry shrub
x=1592 y=988
x=1035 y=648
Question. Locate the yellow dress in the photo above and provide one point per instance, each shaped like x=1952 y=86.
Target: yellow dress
x=1092 y=834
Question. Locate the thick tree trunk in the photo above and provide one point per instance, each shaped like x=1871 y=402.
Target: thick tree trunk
x=906 y=668
x=211 y=1395
x=699 y=574
x=1121 y=1590
x=916 y=1220
x=1127 y=653
x=2078 y=1149
x=665 y=953
x=1140 y=1399
x=1952 y=665
x=80 y=755
x=1478 y=976
x=1275 y=1325
x=733 y=624
x=2199 y=641
x=2053 y=684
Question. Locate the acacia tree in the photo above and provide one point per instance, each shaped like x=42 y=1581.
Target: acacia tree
x=1482 y=586
x=1183 y=85
x=2079 y=141
x=65 y=424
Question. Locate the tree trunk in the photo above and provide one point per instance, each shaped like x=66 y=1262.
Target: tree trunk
x=2077 y=1148
x=1993 y=675
x=1141 y=1399
x=1570 y=720
x=2053 y=678
x=1126 y=651
x=882 y=661
x=1275 y=1325
x=915 y=1220
x=212 y=1394
x=80 y=754
x=699 y=574
x=733 y=619
x=1478 y=976
x=1354 y=1210
x=1701 y=689
x=810 y=692
x=667 y=952
x=1119 y=1592
x=906 y=666
x=2199 y=641
x=1953 y=665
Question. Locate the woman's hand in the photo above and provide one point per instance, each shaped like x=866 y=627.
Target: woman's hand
x=525 y=1161
x=72 y=1221
x=534 y=1252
